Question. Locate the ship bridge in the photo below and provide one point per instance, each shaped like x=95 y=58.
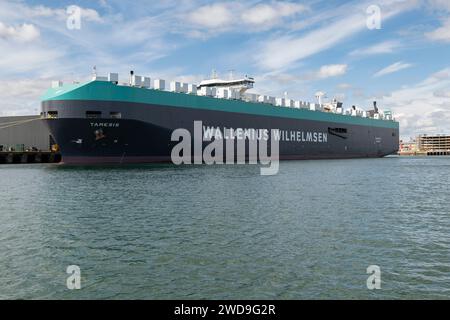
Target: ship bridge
x=240 y=85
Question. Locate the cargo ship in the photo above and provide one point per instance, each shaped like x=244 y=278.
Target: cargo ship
x=106 y=122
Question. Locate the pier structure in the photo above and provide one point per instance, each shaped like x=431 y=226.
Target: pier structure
x=434 y=145
x=25 y=139
x=426 y=145
x=22 y=157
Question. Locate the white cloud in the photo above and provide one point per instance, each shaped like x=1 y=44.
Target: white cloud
x=21 y=96
x=188 y=78
x=22 y=33
x=23 y=87
x=332 y=70
x=243 y=16
x=379 y=48
x=344 y=86
x=90 y=15
x=423 y=107
x=43 y=11
x=265 y=14
x=445 y=93
x=62 y=52
x=141 y=39
x=439 y=4
x=284 y=51
x=87 y=14
x=29 y=59
x=280 y=52
x=212 y=16
x=440 y=34
x=393 y=68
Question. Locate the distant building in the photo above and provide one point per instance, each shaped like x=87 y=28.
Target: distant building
x=24 y=131
x=427 y=145
x=434 y=145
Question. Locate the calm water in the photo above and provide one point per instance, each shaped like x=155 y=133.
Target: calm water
x=225 y=232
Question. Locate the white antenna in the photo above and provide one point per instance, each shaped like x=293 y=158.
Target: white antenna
x=231 y=74
x=214 y=74
x=319 y=96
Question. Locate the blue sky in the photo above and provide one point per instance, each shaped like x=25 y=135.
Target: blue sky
x=295 y=46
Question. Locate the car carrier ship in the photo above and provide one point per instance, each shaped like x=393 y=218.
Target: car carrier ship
x=104 y=121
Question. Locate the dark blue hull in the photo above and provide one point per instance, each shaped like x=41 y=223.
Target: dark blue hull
x=143 y=134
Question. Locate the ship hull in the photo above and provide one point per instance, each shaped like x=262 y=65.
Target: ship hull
x=143 y=133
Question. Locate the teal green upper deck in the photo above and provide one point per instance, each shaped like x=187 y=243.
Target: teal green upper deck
x=107 y=91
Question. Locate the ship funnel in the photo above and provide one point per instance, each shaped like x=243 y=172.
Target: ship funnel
x=375 y=108
x=131 y=77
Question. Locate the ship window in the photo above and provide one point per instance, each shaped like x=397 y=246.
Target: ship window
x=339 y=130
x=52 y=114
x=93 y=114
x=115 y=115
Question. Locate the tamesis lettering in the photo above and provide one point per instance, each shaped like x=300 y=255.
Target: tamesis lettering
x=104 y=124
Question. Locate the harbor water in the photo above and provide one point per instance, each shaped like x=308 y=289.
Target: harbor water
x=226 y=232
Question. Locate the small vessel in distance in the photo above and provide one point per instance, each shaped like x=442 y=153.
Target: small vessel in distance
x=102 y=121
